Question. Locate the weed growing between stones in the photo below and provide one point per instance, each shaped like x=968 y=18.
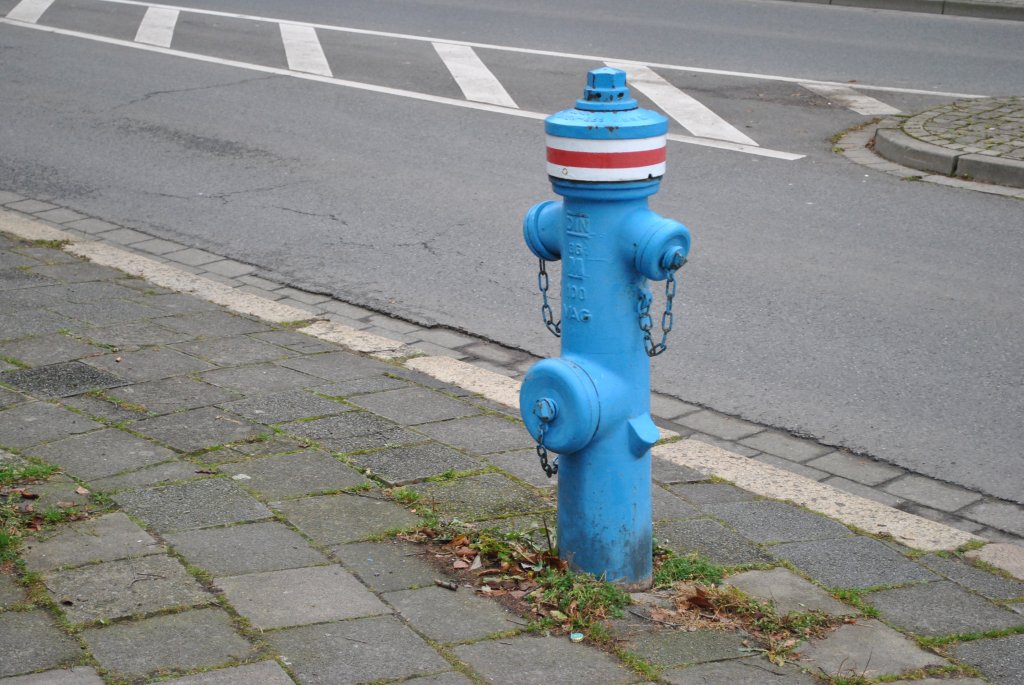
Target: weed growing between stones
x=17 y=511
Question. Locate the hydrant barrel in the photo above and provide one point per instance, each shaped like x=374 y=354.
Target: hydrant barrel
x=591 y=405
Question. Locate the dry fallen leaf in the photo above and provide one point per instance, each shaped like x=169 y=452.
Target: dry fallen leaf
x=81 y=491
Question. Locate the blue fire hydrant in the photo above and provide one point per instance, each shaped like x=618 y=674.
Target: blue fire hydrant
x=591 y=406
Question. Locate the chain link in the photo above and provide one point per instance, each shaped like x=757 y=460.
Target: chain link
x=545 y=310
x=667 y=318
x=542 y=452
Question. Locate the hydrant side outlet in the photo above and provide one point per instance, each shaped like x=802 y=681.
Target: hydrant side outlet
x=591 y=405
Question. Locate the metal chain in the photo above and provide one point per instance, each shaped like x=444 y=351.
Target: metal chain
x=542 y=452
x=545 y=310
x=667 y=318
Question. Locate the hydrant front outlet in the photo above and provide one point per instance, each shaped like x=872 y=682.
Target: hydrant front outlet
x=591 y=406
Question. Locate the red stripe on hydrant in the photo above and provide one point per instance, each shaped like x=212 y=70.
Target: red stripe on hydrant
x=606 y=160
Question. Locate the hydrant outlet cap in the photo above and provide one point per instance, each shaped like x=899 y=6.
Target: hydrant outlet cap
x=565 y=385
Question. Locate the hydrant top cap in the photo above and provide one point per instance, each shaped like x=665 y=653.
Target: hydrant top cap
x=606 y=90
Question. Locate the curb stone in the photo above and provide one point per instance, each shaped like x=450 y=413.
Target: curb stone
x=764 y=479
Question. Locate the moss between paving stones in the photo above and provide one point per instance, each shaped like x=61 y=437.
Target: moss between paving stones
x=481 y=497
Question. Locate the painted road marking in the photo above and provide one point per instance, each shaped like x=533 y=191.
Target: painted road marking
x=851 y=99
x=373 y=88
x=474 y=78
x=29 y=10
x=302 y=47
x=694 y=116
x=157 y=27
x=554 y=53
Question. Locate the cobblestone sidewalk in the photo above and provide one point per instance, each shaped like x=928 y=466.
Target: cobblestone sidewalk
x=982 y=140
x=236 y=476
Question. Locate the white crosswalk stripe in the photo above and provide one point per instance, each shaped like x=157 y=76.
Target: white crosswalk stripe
x=694 y=116
x=29 y=10
x=851 y=99
x=474 y=78
x=303 y=50
x=157 y=27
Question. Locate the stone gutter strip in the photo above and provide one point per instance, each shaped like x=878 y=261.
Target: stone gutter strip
x=1010 y=10
x=761 y=479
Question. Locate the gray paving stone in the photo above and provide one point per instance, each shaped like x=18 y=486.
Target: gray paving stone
x=942 y=517
x=669 y=407
x=785 y=446
x=33 y=322
x=194 y=639
x=865 y=491
x=524 y=465
x=106 y=312
x=105 y=538
x=443 y=337
x=101 y=453
x=229 y=268
x=676 y=648
x=243 y=549
x=295 y=341
x=199 y=504
x=30 y=641
x=286 y=406
x=447 y=616
x=334 y=519
x=356 y=651
x=261 y=673
x=767 y=522
x=60 y=215
x=32 y=423
x=940 y=608
x=48 y=349
x=275 y=444
x=979 y=580
x=260 y=379
x=670 y=473
x=361 y=386
x=792 y=466
x=158 y=246
x=719 y=425
x=480 y=497
x=8 y=198
x=411 y=406
x=172 y=394
x=337 y=366
x=129 y=336
x=858 y=469
x=171 y=303
x=12 y=279
x=192 y=257
x=852 y=562
x=340 y=433
x=480 y=434
x=11 y=592
x=149 y=364
x=60 y=380
x=114 y=589
x=103 y=409
x=710 y=538
x=668 y=506
x=234 y=351
x=94 y=226
x=940 y=681
x=533 y=661
x=410 y=464
x=213 y=323
x=59 y=492
x=161 y=474
x=703 y=494
x=300 y=596
x=388 y=565
x=1000 y=659
x=294 y=474
x=31 y=206
x=80 y=675
x=788 y=592
x=868 y=649
x=757 y=671
x=198 y=429
x=932 y=493
x=1001 y=515
x=125 y=236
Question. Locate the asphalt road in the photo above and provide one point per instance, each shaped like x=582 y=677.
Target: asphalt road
x=866 y=311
